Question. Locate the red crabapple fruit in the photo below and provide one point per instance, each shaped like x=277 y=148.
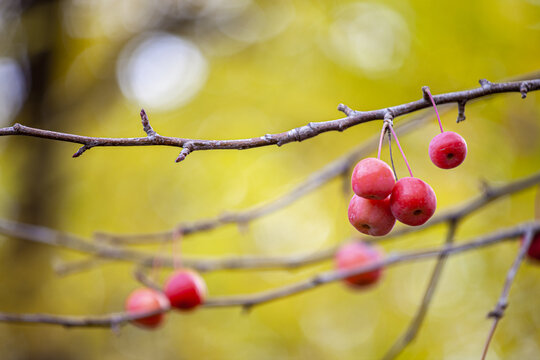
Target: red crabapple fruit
x=372 y=179
x=412 y=201
x=185 y=289
x=371 y=217
x=534 y=249
x=447 y=150
x=357 y=254
x=145 y=300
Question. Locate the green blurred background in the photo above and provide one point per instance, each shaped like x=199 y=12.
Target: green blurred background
x=220 y=69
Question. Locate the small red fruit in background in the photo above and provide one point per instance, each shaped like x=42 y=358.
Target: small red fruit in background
x=358 y=254
x=371 y=217
x=372 y=179
x=412 y=201
x=145 y=300
x=447 y=150
x=534 y=249
x=185 y=289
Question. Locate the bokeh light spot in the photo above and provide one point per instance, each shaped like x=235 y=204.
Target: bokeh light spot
x=161 y=71
x=12 y=89
x=368 y=37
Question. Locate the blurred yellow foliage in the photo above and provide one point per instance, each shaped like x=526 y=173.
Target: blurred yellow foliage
x=232 y=69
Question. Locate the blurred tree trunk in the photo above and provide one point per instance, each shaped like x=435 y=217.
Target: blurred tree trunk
x=26 y=265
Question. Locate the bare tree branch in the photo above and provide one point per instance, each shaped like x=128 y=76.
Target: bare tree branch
x=250 y=300
x=502 y=303
x=51 y=237
x=111 y=320
x=297 y=134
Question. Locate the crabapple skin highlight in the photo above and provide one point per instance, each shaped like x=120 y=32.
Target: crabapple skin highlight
x=412 y=201
x=185 y=289
x=372 y=179
x=371 y=217
x=356 y=254
x=145 y=300
x=447 y=150
x=534 y=250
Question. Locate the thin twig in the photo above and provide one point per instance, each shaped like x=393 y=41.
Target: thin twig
x=250 y=300
x=140 y=275
x=297 y=134
x=64 y=268
x=415 y=324
x=498 y=312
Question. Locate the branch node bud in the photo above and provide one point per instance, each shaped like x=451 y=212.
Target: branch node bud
x=425 y=94
x=186 y=150
x=246 y=309
x=81 y=150
x=146 y=124
x=484 y=83
x=524 y=89
x=346 y=110
x=389 y=117
x=461 y=111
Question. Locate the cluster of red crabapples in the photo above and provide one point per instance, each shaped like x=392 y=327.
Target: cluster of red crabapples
x=379 y=200
x=184 y=290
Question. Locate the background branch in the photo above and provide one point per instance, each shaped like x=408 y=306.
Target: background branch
x=56 y=238
x=421 y=312
x=502 y=303
x=250 y=300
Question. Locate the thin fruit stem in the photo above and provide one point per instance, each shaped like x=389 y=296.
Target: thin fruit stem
x=400 y=149
x=176 y=251
x=156 y=263
x=391 y=157
x=381 y=139
x=435 y=107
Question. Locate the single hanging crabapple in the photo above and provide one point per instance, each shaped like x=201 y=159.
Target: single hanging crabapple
x=185 y=289
x=372 y=179
x=371 y=217
x=447 y=150
x=357 y=254
x=145 y=300
x=412 y=201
